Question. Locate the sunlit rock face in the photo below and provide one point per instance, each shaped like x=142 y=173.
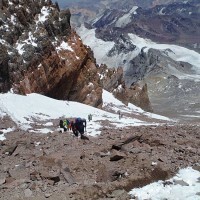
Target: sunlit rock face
x=39 y=52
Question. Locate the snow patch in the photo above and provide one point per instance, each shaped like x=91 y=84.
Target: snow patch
x=2 y=137
x=44 y=14
x=127 y=18
x=64 y=46
x=156 y=191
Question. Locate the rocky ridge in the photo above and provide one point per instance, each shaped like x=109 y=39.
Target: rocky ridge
x=173 y=87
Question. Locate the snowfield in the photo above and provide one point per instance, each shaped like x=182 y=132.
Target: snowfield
x=35 y=108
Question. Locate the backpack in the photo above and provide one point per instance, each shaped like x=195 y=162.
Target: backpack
x=78 y=120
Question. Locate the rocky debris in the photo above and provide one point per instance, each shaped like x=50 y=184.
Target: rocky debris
x=118 y=194
x=198 y=193
x=127 y=141
x=2 y=180
x=28 y=193
x=107 y=166
x=83 y=137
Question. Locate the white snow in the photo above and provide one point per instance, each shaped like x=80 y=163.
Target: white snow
x=65 y=46
x=44 y=14
x=19 y=47
x=161 y=11
x=191 y=116
x=28 y=41
x=116 y=105
x=101 y=49
x=2 y=137
x=48 y=124
x=13 y=19
x=174 y=191
x=2 y=41
x=99 y=46
x=126 y=19
x=34 y=108
x=10 y=3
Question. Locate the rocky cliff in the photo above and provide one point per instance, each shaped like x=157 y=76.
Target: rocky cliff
x=39 y=52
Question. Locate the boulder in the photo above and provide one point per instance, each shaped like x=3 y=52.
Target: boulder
x=68 y=176
x=10 y=150
x=116 y=156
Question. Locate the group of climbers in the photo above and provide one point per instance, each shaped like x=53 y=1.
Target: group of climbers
x=77 y=125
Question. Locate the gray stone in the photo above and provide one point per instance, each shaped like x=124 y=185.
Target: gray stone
x=2 y=181
x=28 y=193
x=10 y=150
x=180 y=182
x=47 y=195
x=116 y=155
x=68 y=176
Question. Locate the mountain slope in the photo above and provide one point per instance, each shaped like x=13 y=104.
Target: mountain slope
x=57 y=165
x=33 y=111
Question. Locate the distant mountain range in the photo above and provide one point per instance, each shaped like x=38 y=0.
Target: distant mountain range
x=115 y=4
x=171 y=72
x=88 y=10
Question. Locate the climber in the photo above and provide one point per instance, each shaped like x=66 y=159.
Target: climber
x=66 y=123
x=119 y=113
x=73 y=127
x=89 y=117
x=80 y=125
x=62 y=126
